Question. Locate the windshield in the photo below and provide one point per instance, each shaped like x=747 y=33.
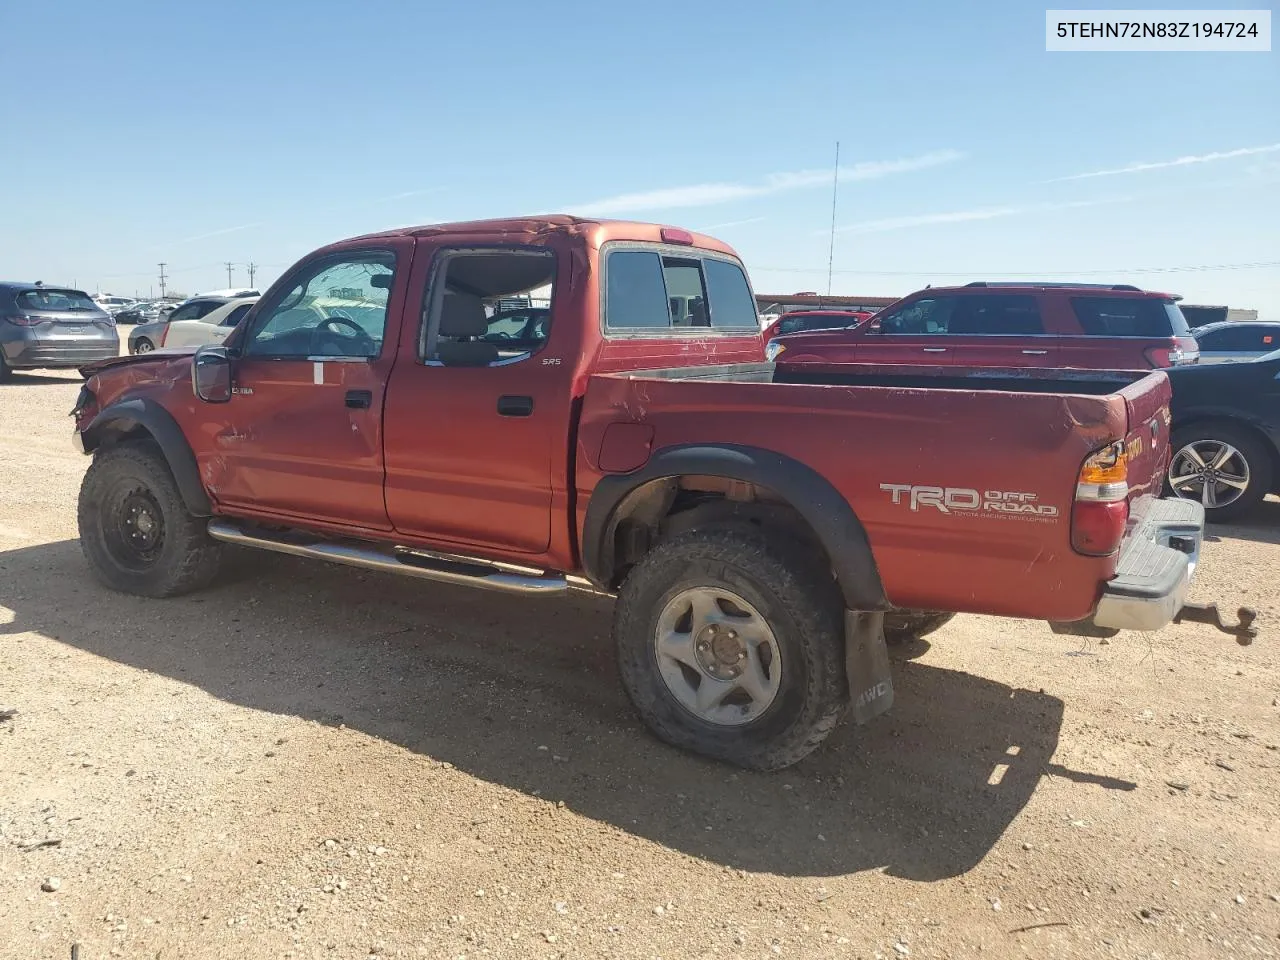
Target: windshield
x=56 y=301
x=816 y=321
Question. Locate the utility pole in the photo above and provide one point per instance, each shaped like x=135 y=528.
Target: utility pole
x=229 y=266
x=162 y=279
x=252 y=268
x=831 y=252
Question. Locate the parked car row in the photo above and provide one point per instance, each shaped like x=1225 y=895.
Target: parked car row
x=197 y=321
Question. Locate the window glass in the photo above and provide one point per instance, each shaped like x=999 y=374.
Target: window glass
x=636 y=295
x=234 y=317
x=928 y=316
x=334 y=308
x=686 y=297
x=1128 y=317
x=191 y=311
x=494 y=308
x=731 y=302
x=56 y=300
x=1000 y=316
x=1246 y=337
x=815 y=321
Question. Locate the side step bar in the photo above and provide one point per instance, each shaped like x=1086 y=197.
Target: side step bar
x=425 y=566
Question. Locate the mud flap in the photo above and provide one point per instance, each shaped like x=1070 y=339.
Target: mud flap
x=866 y=664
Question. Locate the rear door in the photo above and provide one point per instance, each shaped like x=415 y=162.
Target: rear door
x=1000 y=330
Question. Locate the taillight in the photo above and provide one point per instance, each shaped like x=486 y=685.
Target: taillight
x=1180 y=350
x=1101 y=510
x=22 y=320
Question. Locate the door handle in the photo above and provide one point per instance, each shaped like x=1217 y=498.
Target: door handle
x=935 y=349
x=510 y=405
x=359 y=399
x=1035 y=353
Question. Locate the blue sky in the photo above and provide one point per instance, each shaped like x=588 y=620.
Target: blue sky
x=199 y=132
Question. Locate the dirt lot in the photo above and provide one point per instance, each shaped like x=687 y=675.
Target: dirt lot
x=305 y=761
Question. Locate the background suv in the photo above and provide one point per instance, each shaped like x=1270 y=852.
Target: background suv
x=44 y=327
x=1011 y=325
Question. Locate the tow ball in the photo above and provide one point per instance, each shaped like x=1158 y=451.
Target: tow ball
x=1244 y=631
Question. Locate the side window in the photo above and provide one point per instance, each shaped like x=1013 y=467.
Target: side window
x=235 y=316
x=1009 y=316
x=336 y=307
x=488 y=307
x=636 y=296
x=1244 y=338
x=732 y=305
x=205 y=308
x=920 y=317
x=1123 y=317
x=190 y=311
x=646 y=290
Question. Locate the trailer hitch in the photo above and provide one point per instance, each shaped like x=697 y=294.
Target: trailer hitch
x=1244 y=631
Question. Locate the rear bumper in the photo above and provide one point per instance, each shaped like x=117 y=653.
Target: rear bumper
x=49 y=354
x=1156 y=565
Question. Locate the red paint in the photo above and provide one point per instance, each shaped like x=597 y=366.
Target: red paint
x=431 y=463
x=1064 y=342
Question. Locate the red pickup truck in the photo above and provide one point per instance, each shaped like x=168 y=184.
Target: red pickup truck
x=516 y=405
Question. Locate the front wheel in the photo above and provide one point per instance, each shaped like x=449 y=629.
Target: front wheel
x=732 y=646
x=135 y=529
x=143 y=345
x=1222 y=465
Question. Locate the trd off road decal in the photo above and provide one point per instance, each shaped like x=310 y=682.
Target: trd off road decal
x=1001 y=504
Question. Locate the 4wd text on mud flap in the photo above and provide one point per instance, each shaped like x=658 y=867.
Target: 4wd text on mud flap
x=968 y=500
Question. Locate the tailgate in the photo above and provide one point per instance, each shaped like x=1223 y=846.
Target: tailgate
x=1147 y=440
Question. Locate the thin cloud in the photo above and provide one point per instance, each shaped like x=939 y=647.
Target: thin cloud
x=218 y=233
x=709 y=194
x=964 y=216
x=407 y=194
x=1179 y=162
x=731 y=223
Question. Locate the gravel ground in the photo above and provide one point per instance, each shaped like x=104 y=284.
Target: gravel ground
x=307 y=761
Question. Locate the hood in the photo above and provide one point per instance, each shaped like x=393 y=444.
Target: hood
x=161 y=355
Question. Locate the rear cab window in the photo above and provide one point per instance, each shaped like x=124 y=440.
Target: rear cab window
x=1129 y=317
x=649 y=289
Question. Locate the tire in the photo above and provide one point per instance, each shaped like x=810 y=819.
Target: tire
x=903 y=625
x=6 y=371
x=1248 y=459
x=135 y=530
x=143 y=345
x=787 y=593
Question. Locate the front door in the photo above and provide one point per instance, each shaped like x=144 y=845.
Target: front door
x=302 y=436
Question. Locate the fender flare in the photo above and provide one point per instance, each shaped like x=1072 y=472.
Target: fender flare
x=164 y=430
x=823 y=508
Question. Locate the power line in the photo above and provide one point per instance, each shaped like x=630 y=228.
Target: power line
x=1193 y=268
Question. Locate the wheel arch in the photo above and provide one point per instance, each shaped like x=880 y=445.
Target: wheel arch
x=140 y=418
x=649 y=494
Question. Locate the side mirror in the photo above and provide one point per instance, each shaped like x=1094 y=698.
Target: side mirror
x=211 y=374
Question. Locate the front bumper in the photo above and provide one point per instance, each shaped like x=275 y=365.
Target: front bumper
x=1156 y=565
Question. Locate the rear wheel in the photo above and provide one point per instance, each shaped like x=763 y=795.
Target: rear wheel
x=6 y=371
x=732 y=646
x=1222 y=465
x=903 y=625
x=143 y=345
x=135 y=529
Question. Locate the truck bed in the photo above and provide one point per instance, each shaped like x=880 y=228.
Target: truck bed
x=1018 y=435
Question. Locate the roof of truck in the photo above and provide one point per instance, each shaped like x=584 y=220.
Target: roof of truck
x=555 y=223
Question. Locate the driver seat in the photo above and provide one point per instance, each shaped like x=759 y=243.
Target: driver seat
x=462 y=319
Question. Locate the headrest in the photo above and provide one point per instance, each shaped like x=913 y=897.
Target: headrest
x=463 y=316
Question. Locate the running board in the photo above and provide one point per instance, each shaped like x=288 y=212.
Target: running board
x=406 y=563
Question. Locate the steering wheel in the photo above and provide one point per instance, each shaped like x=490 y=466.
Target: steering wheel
x=328 y=327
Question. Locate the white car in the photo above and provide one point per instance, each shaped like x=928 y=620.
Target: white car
x=213 y=327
